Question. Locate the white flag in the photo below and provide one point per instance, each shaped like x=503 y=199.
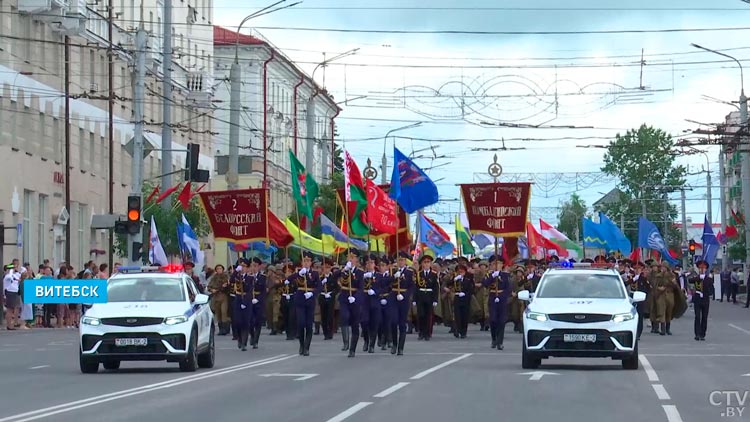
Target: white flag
x=191 y=243
x=156 y=253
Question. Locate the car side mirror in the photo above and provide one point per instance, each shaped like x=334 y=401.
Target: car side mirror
x=639 y=297
x=524 y=295
x=201 y=299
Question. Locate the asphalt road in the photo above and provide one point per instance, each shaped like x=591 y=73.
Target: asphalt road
x=442 y=380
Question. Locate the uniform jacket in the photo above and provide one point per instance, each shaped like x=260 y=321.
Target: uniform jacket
x=427 y=286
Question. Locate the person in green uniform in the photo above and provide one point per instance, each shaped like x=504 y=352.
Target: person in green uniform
x=661 y=282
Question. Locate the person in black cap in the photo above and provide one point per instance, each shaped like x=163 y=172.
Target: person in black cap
x=532 y=276
x=305 y=285
x=370 y=320
x=258 y=283
x=350 y=299
x=640 y=283
x=384 y=278
x=237 y=291
x=462 y=289
x=498 y=289
x=243 y=311
x=326 y=300
x=703 y=287
x=426 y=298
x=286 y=305
x=401 y=293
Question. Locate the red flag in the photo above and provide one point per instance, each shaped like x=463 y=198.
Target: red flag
x=277 y=231
x=153 y=193
x=731 y=232
x=381 y=210
x=167 y=192
x=538 y=242
x=184 y=196
x=635 y=256
x=509 y=249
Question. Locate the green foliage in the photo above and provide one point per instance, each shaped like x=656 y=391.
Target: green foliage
x=736 y=248
x=644 y=162
x=166 y=222
x=569 y=218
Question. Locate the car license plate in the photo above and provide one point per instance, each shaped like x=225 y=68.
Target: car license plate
x=122 y=342
x=586 y=338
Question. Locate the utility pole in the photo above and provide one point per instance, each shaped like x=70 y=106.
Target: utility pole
x=111 y=132
x=138 y=101
x=743 y=147
x=709 y=197
x=166 y=129
x=684 y=226
x=723 y=207
x=643 y=213
x=235 y=80
x=67 y=148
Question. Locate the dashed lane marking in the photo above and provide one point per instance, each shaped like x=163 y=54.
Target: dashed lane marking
x=648 y=368
x=439 y=367
x=350 y=411
x=661 y=392
x=672 y=414
x=39 y=367
x=390 y=390
x=740 y=329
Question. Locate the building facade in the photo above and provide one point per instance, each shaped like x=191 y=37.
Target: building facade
x=32 y=114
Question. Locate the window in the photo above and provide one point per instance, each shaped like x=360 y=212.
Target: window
x=56 y=139
x=145 y=290
x=581 y=286
x=82 y=213
x=92 y=153
x=26 y=250
x=42 y=228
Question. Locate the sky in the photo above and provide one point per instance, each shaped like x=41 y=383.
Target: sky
x=579 y=89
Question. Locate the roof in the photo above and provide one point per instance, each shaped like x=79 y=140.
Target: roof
x=612 y=197
x=223 y=36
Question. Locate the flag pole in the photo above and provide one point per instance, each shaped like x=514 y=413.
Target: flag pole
x=398 y=228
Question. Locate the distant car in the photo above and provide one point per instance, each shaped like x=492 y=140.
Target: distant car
x=580 y=311
x=151 y=314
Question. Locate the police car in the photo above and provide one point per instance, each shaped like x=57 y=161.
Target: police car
x=151 y=314
x=580 y=311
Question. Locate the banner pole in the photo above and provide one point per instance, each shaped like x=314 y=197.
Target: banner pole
x=398 y=228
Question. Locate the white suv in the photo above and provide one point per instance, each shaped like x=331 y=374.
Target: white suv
x=580 y=311
x=150 y=315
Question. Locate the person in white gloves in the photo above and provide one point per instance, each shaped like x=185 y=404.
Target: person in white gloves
x=329 y=286
x=371 y=304
x=399 y=300
x=462 y=289
x=305 y=285
x=258 y=283
x=242 y=313
x=350 y=299
x=426 y=296
x=703 y=285
x=383 y=278
x=498 y=291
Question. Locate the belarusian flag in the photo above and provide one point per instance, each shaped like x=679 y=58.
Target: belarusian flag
x=304 y=187
x=551 y=233
x=356 y=197
x=463 y=239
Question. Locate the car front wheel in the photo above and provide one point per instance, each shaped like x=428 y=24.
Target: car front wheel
x=88 y=365
x=527 y=360
x=190 y=363
x=207 y=358
x=631 y=362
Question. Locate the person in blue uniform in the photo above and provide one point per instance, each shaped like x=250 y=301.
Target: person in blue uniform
x=305 y=284
x=426 y=296
x=237 y=292
x=383 y=278
x=245 y=320
x=350 y=299
x=329 y=287
x=498 y=291
x=462 y=289
x=400 y=300
x=257 y=299
x=703 y=288
x=371 y=304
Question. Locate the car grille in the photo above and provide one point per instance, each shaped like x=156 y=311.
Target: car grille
x=602 y=340
x=132 y=321
x=154 y=343
x=580 y=318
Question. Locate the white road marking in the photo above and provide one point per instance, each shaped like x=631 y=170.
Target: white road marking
x=646 y=366
x=39 y=367
x=740 y=329
x=349 y=412
x=673 y=415
x=91 y=401
x=661 y=392
x=434 y=368
x=390 y=390
x=297 y=377
x=537 y=375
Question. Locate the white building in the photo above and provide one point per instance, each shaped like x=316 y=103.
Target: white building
x=32 y=114
x=292 y=100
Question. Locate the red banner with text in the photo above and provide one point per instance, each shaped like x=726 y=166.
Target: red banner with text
x=497 y=209
x=237 y=215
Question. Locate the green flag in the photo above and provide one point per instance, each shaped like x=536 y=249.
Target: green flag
x=304 y=187
x=463 y=239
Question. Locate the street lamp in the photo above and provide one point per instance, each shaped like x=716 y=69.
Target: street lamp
x=325 y=62
x=745 y=157
x=384 y=165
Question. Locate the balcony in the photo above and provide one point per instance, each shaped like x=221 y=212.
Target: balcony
x=200 y=88
x=41 y=6
x=67 y=17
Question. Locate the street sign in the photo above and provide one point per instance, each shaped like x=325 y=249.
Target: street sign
x=297 y=377
x=684 y=249
x=19 y=235
x=537 y=375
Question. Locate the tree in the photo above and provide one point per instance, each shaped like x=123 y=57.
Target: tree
x=643 y=160
x=166 y=223
x=338 y=159
x=569 y=218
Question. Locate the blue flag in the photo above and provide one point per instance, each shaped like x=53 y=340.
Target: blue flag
x=327 y=228
x=615 y=238
x=650 y=238
x=433 y=237
x=592 y=235
x=410 y=186
x=710 y=243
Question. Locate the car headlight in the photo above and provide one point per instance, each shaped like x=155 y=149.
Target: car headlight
x=174 y=320
x=87 y=320
x=623 y=317
x=536 y=316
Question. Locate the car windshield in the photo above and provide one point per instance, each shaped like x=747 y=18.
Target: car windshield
x=145 y=290
x=578 y=285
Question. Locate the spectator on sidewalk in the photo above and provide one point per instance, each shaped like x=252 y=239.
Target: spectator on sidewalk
x=27 y=313
x=10 y=291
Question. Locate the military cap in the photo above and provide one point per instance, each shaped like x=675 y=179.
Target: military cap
x=189 y=264
x=243 y=261
x=386 y=260
x=440 y=261
x=371 y=257
x=530 y=262
x=600 y=258
x=328 y=261
x=404 y=255
x=477 y=260
x=588 y=261
x=494 y=258
x=611 y=260
x=354 y=252
x=701 y=263
x=256 y=260
x=626 y=261
x=462 y=267
x=639 y=264
x=307 y=254
x=554 y=258
x=424 y=257
x=572 y=260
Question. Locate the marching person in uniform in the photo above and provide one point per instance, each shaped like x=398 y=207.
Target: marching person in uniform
x=661 y=281
x=674 y=298
x=640 y=283
x=350 y=300
x=703 y=288
x=498 y=291
x=462 y=290
x=384 y=278
x=236 y=281
x=399 y=299
x=288 y=314
x=257 y=299
x=327 y=299
x=426 y=297
x=370 y=305
x=305 y=284
x=244 y=312
x=218 y=287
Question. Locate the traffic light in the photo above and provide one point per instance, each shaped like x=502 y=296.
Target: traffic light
x=134 y=214
x=691 y=247
x=192 y=173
